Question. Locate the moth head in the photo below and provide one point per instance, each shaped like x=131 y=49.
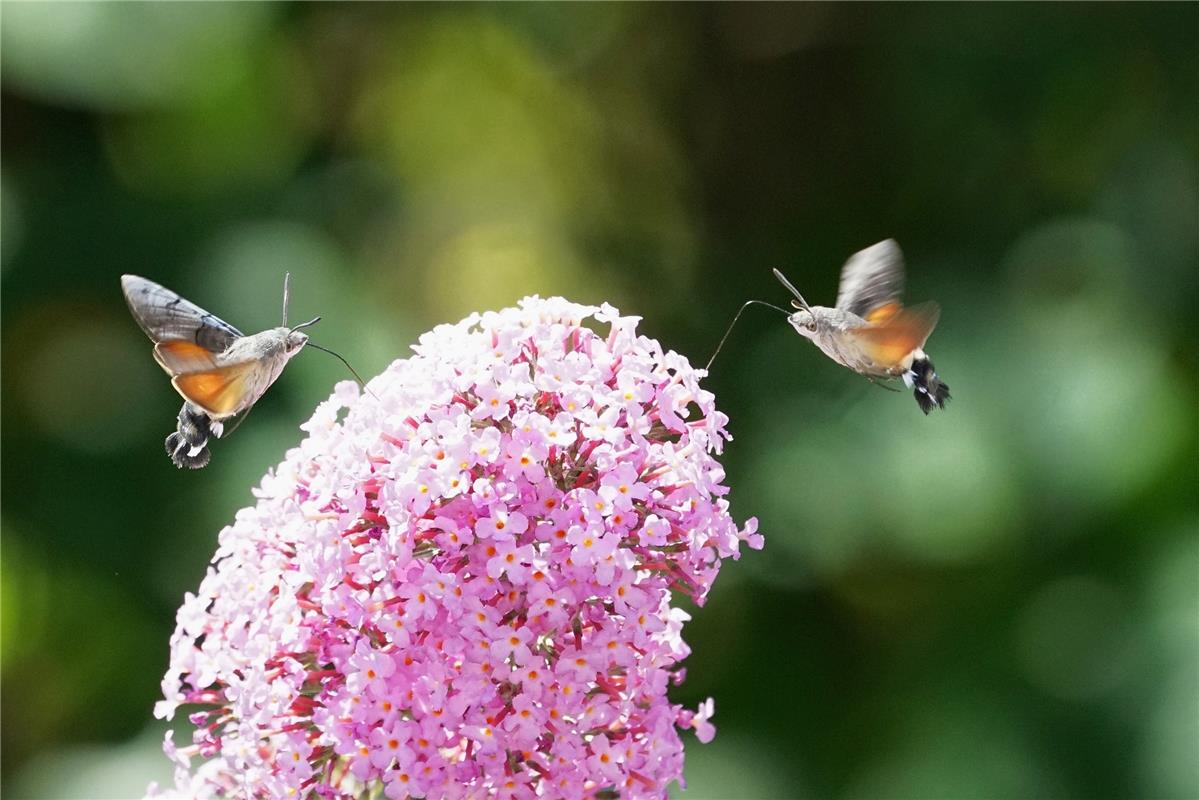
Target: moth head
x=296 y=339
x=805 y=322
x=295 y=342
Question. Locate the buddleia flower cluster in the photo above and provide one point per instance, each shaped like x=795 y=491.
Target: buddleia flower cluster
x=461 y=583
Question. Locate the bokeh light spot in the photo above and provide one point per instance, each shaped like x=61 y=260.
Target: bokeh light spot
x=490 y=265
x=126 y=55
x=1104 y=412
x=95 y=388
x=1068 y=261
x=1170 y=737
x=251 y=134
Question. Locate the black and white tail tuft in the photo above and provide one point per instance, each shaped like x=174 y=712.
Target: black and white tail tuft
x=188 y=445
x=928 y=388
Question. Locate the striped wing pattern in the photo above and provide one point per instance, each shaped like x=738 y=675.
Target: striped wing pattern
x=167 y=317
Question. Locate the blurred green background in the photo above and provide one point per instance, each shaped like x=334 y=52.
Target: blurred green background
x=997 y=601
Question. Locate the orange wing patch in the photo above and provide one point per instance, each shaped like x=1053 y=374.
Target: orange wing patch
x=881 y=313
x=893 y=339
x=182 y=356
x=219 y=392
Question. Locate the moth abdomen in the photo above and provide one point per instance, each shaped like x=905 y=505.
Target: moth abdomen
x=930 y=391
x=184 y=455
x=188 y=445
x=193 y=424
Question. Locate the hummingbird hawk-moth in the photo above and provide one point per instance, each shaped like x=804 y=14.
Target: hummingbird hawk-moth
x=219 y=371
x=870 y=331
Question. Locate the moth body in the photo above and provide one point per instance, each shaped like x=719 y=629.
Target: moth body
x=832 y=331
x=188 y=445
x=269 y=351
x=219 y=372
x=870 y=331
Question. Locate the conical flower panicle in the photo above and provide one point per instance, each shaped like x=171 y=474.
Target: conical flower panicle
x=464 y=588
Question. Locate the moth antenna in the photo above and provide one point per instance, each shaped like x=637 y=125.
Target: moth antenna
x=286 y=296
x=312 y=321
x=338 y=356
x=736 y=317
x=783 y=280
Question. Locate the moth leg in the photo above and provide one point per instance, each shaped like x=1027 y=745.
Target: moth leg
x=881 y=385
x=221 y=431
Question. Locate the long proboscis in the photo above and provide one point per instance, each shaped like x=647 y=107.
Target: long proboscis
x=736 y=317
x=339 y=357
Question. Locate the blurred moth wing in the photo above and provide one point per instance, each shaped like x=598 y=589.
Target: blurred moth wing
x=898 y=332
x=872 y=288
x=872 y=279
x=883 y=313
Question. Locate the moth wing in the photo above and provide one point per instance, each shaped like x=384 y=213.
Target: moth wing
x=906 y=329
x=879 y=315
x=220 y=392
x=181 y=356
x=872 y=278
x=167 y=317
